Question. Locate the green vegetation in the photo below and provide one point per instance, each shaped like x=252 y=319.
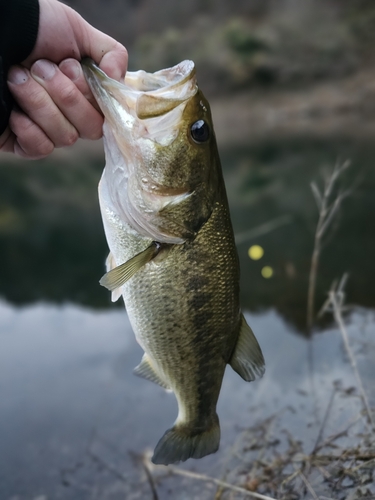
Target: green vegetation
x=243 y=44
x=52 y=246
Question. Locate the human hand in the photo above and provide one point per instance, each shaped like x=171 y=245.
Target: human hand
x=55 y=103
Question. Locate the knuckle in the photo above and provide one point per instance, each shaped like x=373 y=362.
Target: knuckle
x=71 y=138
x=36 y=145
x=94 y=133
x=33 y=142
x=38 y=99
x=124 y=52
x=69 y=96
x=97 y=134
x=21 y=124
x=43 y=148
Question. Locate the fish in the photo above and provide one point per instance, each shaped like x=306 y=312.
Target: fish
x=172 y=253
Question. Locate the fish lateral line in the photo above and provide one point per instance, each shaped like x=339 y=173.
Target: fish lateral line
x=121 y=274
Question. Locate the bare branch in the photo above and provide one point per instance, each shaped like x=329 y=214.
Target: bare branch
x=324 y=422
x=330 y=214
x=336 y=302
x=327 y=306
x=317 y=195
x=203 y=477
x=327 y=212
x=308 y=486
x=262 y=229
x=150 y=477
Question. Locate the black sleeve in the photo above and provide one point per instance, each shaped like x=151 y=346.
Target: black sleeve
x=19 y=20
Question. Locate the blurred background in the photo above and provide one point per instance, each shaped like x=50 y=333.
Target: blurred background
x=292 y=90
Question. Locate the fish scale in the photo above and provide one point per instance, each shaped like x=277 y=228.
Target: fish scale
x=173 y=256
x=200 y=313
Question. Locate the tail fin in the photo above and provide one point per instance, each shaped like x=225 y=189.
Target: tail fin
x=181 y=442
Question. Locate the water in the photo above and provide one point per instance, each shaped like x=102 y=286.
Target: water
x=52 y=246
x=74 y=420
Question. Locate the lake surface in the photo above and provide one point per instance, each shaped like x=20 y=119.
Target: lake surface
x=52 y=245
x=74 y=420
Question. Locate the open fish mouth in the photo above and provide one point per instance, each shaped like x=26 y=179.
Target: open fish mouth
x=145 y=104
x=144 y=115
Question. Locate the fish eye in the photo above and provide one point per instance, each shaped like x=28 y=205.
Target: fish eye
x=200 y=131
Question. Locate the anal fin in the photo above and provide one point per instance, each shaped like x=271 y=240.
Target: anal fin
x=148 y=372
x=247 y=359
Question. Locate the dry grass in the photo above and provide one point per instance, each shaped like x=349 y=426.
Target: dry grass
x=328 y=203
x=267 y=469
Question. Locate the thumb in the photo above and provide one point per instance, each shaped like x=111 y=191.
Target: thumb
x=110 y=55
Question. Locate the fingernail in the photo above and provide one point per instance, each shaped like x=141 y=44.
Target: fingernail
x=71 y=68
x=43 y=69
x=17 y=75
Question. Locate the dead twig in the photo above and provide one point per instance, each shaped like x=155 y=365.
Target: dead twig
x=336 y=300
x=327 y=211
x=339 y=434
x=233 y=453
x=363 y=464
x=203 y=477
x=262 y=451
x=150 y=477
x=291 y=477
x=228 y=486
x=308 y=486
x=263 y=229
x=107 y=465
x=326 y=415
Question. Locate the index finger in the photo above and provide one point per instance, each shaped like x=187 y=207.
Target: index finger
x=110 y=55
x=73 y=70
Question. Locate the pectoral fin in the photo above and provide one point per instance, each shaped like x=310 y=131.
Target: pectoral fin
x=147 y=371
x=111 y=264
x=121 y=274
x=247 y=359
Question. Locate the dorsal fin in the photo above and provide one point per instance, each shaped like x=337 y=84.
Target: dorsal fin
x=247 y=359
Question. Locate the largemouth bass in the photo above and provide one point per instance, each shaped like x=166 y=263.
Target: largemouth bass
x=172 y=252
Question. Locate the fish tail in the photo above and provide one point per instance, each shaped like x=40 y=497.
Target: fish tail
x=182 y=442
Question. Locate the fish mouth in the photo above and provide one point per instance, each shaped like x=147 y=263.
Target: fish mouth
x=143 y=114
x=146 y=104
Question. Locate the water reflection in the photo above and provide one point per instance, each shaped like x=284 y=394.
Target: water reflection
x=271 y=182
x=52 y=246
x=73 y=418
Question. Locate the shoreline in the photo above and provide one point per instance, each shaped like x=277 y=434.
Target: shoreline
x=333 y=108
x=342 y=108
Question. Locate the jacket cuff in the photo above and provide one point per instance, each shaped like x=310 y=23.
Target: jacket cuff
x=19 y=29
x=19 y=22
